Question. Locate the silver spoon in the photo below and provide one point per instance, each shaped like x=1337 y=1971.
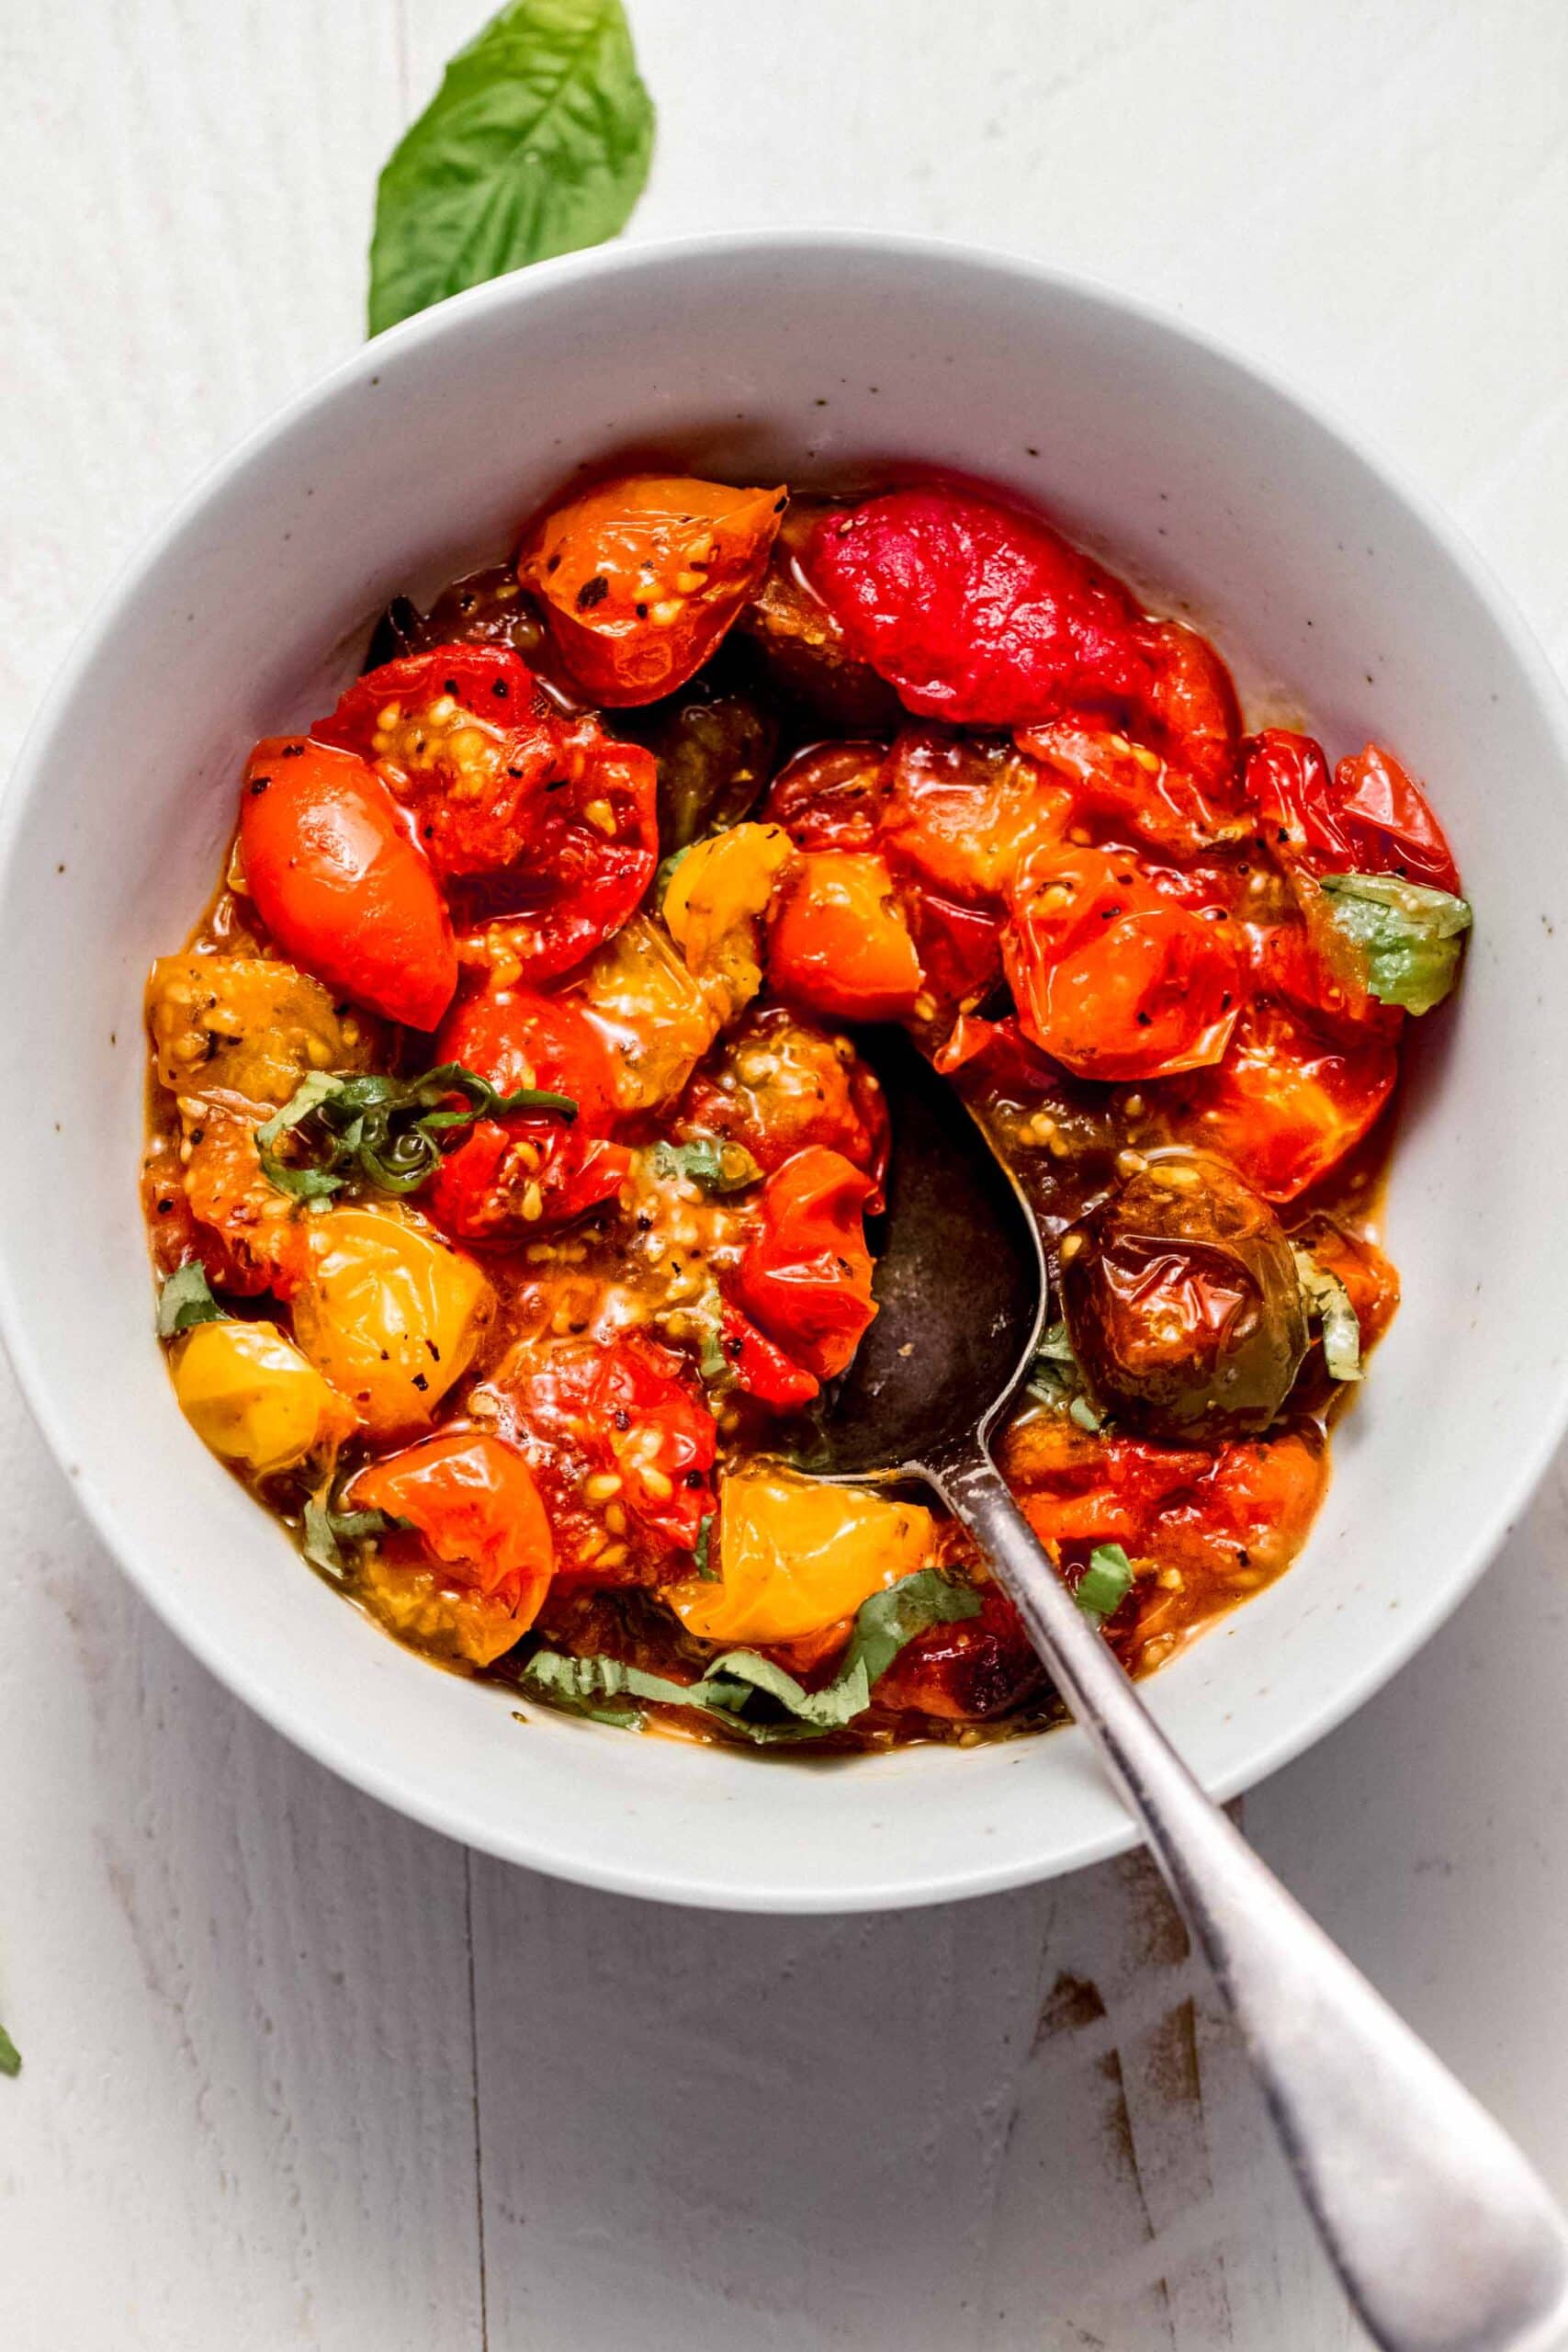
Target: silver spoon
x=1444 y=2238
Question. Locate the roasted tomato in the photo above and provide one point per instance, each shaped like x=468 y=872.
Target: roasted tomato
x=802 y=647
x=651 y=1012
x=389 y=1313
x=782 y=1084
x=249 y=1236
x=973 y=611
x=1192 y=705
x=759 y=1367
x=714 y=908
x=641 y=577
x=805 y=1274
x=1081 y=1486
x=1124 y=791
x=831 y=797
x=840 y=942
x=961 y=816
x=968 y=1671
x=1368 y=817
x=250 y=1395
x=794 y=1556
x=713 y=745
x=249 y=1025
x=1183 y=1303
x=1288 y=1100
x=1110 y=976
x=472 y=1505
x=1372 y=1285
x=621 y=1443
x=340 y=884
x=1243 y=1520
x=532 y=1168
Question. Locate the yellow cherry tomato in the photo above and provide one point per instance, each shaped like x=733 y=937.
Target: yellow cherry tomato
x=794 y=1556
x=251 y=1395
x=714 y=908
x=248 y=1025
x=650 y=1012
x=420 y=1606
x=389 y=1313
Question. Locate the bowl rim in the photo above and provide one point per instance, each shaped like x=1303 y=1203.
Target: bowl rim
x=52 y=1409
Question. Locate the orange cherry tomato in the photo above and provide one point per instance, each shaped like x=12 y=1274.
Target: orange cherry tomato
x=960 y=815
x=1288 y=1100
x=641 y=577
x=533 y=1168
x=474 y=1507
x=1113 y=977
x=338 y=882
x=839 y=942
x=805 y=1274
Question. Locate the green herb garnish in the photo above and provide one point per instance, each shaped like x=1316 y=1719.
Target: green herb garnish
x=717 y=1166
x=701 y=1565
x=537 y=143
x=185 y=1299
x=1402 y=939
x=10 y=2056
x=1055 y=1379
x=381 y=1131
x=733 y=1685
x=1327 y=1297
x=326 y=1530
x=1106 y=1582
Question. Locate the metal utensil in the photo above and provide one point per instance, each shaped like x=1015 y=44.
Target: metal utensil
x=1444 y=2238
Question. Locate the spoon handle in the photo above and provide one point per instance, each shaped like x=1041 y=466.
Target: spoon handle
x=1444 y=2238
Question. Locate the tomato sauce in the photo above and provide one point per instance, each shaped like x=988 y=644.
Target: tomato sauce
x=513 y=1170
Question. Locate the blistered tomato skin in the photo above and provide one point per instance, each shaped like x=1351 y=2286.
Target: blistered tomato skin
x=1112 y=977
x=339 y=883
x=251 y=1395
x=795 y=1554
x=1367 y=816
x=642 y=576
x=805 y=1275
x=974 y=612
x=1289 y=1100
x=389 y=1314
x=472 y=1505
x=840 y=942
x=1183 y=1303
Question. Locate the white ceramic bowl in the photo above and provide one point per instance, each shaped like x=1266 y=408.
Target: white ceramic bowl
x=765 y=356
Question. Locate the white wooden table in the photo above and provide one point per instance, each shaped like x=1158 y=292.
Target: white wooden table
x=297 y=2073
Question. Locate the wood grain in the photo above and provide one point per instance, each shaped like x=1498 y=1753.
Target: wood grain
x=298 y=2075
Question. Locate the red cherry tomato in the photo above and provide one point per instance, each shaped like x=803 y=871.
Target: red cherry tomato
x=974 y=612
x=1193 y=706
x=474 y=1507
x=1289 y=1100
x=964 y=1672
x=1113 y=977
x=1124 y=791
x=628 y=1411
x=339 y=883
x=805 y=1274
x=762 y=1370
x=839 y=940
x=464 y=738
x=830 y=796
x=780 y=1083
x=960 y=815
x=1368 y=816
x=533 y=1168
x=641 y=577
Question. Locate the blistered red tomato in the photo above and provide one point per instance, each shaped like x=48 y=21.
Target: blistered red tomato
x=339 y=883
x=805 y=1275
x=1368 y=816
x=840 y=941
x=1289 y=1100
x=472 y=1505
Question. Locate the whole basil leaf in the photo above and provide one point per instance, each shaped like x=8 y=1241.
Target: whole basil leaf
x=537 y=143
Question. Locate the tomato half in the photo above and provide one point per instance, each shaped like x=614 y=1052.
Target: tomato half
x=463 y=737
x=474 y=1507
x=961 y=816
x=1368 y=817
x=1192 y=703
x=1288 y=1100
x=780 y=1084
x=617 y=1429
x=974 y=612
x=533 y=1169
x=641 y=577
x=830 y=796
x=839 y=940
x=760 y=1368
x=805 y=1274
x=1124 y=791
x=1110 y=977
x=338 y=882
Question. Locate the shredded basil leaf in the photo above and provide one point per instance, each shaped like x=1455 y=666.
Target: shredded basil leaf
x=1403 y=936
x=717 y=1166
x=185 y=1299
x=537 y=143
x=1327 y=1297
x=326 y=1531
x=726 y=1691
x=700 y=1563
x=1106 y=1582
x=382 y=1131
x=10 y=2056
x=1055 y=1380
